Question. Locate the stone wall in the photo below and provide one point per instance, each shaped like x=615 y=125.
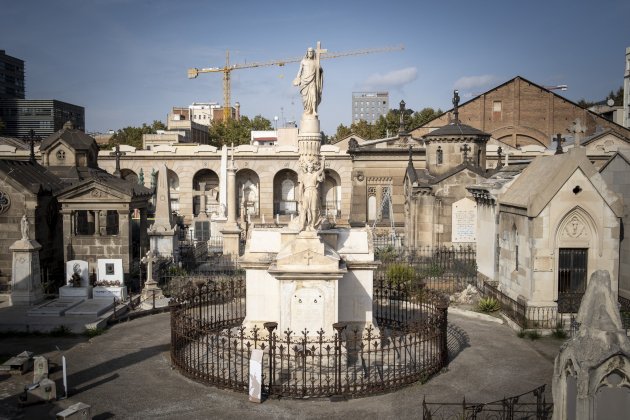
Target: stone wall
x=616 y=175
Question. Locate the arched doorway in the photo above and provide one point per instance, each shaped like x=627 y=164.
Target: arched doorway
x=248 y=188
x=285 y=192
x=206 y=186
x=330 y=196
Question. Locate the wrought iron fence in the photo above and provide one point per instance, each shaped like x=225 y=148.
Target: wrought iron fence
x=210 y=345
x=444 y=269
x=530 y=405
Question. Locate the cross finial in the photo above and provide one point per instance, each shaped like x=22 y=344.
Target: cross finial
x=32 y=143
x=465 y=149
x=456 y=106
x=401 y=123
x=577 y=129
x=559 y=141
x=499 y=157
x=117 y=154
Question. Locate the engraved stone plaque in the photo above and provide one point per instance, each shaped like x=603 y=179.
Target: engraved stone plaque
x=307 y=310
x=464 y=221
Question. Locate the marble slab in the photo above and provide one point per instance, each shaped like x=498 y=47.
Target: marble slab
x=57 y=307
x=91 y=307
x=71 y=292
x=109 y=293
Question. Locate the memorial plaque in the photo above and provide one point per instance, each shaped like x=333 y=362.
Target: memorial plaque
x=464 y=221
x=77 y=268
x=307 y=310
x=543 y=263
x=40 y=369
x=110 y=270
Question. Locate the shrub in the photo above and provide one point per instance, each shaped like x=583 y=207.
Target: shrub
x=60 y=331
x=434 y=270
x=400 y=273
x=559 y=332
x=488 y=304
x=521 y=334
x=533 y=334
x=93 y=332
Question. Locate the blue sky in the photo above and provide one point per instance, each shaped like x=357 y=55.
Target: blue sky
x=125 y=61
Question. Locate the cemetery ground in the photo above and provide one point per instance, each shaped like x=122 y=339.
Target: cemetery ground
x=126 y=373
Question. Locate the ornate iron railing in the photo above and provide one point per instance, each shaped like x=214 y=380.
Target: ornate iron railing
x=530 y=405
x=210 y=345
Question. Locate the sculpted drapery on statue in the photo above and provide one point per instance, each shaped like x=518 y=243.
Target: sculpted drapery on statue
x=310 y=80
x=312 y=176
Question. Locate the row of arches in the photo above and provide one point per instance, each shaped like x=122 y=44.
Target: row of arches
x=206 y=183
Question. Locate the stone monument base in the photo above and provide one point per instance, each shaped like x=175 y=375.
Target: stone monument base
x=110 y=292
x=70 y=292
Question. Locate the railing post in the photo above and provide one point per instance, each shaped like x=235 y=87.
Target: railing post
x=153 y=299
x=270 y=327
x=442 y=307
x=339 y=328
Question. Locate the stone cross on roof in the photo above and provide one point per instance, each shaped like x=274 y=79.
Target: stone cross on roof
x=32 y=139
x=401 y=123
x=465 y=149
x=577 y=129
x=499 y=157
x=559 y=140
x=118 y=154
x=456 y=106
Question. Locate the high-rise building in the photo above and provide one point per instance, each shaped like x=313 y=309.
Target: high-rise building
x=369 y=106
x=44 y=116
x=11 y=77
x=20 y=115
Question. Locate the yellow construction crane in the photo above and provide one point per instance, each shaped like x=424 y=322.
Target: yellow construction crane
x=227 y=69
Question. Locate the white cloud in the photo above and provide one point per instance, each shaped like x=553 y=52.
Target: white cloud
x=476 y=82
x=393 y=80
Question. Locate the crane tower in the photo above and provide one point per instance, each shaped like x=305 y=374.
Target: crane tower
x=228 y=68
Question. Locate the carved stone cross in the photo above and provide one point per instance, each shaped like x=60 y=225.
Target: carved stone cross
x=308 y=257
x=559 y=141
x=118 y=154
x=149 y=260
x=499 y=157
x=456 y=106
x=32 y=139
x=465 y=149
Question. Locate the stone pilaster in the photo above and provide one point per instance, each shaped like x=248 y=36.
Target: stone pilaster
x=231 y=232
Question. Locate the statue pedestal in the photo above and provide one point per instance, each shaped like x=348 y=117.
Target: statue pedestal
x=26 y=285
x=163 y=243
x=231 y=240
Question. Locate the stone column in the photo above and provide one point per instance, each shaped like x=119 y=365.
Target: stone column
x=97 y=222
x=68 y=232
x=231 y=232
x=202 y=198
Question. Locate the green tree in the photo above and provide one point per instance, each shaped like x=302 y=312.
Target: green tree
x=342 y=133
x=236 y=131
x=133 y=135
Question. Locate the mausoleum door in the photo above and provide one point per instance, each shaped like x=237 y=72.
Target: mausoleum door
x=572 y=271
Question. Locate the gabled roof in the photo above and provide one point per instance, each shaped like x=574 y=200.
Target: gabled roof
x=15 y=142
x=544 y=177
x=89 y=175
x=623 y=154
x=76 y=139
x=456 y=129
x=462 y=166
x=31 y=175
x=621 y=128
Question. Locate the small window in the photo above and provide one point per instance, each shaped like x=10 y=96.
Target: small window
x=111 y=223
x=439 y=156
x=61 y=155
x=497 y=110
x=202 y=231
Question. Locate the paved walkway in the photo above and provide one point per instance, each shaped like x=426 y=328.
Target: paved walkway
x=126 y=373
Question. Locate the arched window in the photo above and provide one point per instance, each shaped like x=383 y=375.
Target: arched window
x=372 y=207
x=440 y=156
